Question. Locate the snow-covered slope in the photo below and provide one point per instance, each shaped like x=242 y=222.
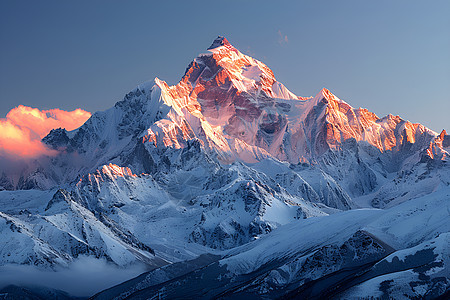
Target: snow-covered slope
x=52 y=231
x=359 y=253
x=230 y=163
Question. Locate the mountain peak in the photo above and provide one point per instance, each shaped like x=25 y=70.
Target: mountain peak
x=219 y=41
x=327 y=94
x=444 y=138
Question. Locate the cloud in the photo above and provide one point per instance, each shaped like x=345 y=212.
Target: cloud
x=84 y=277
x=282 y=38
x=24 y=127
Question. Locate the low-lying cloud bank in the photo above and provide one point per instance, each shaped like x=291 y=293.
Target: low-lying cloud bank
x=24 y=127
x=85 y=277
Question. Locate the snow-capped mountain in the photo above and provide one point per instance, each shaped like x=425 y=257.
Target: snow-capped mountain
x=231 y=174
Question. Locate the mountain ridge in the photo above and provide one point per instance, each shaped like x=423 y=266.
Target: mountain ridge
x=249 y=119
x=280 y=190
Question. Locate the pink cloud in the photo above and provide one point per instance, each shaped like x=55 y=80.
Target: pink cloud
x=24 y=127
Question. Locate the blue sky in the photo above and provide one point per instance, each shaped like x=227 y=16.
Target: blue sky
x=387 y=56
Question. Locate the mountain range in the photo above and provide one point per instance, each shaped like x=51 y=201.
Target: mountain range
x=228 y=185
